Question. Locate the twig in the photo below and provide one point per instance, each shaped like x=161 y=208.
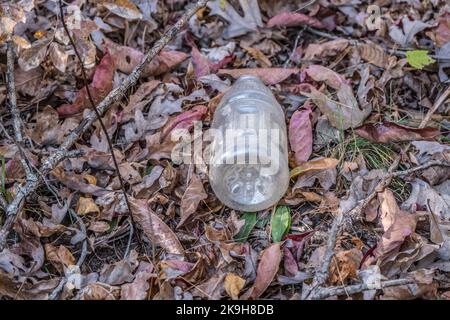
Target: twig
x=55 y=158
x=427 y=165
x=55 y=293
x=17 y=123
x=98 y=116
x=341 y=290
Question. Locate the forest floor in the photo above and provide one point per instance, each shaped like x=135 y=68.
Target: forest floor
x=364 y=86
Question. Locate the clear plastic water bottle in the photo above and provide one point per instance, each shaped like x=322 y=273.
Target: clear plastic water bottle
x=248 y=167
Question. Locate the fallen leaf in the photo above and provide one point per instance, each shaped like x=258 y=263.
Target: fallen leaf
x=424 y=287
x=58 y=56
x=269 y=76
x=233 y=285
x=154 y=227
x=86 y=206
x=184 y=120
x=344 y=266
x=192 y=197
x=138 y=289
x=397 y=225
x=101 y=85
x=127 y=58
x=34 y=56
x=23 y=290
x=238 y=25
x=388 y=132
x=294 y=19
x=300 y=134
x=419 y=58
x=60 y=257
x=249 y=223
x=280 y=223
x=326 y=49
x=404 y=36
x=267 y=269
x=317 y=164
x=123 y=8
x=374 y=54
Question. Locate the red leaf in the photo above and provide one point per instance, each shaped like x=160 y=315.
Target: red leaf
x=184 y=120
x=269 y=76
x=293 y=19
x=100 y=87
x=388 y=132
x=300 y=134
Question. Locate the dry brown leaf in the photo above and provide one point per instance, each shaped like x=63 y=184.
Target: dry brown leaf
x=259 y=56
x=137 y=290
x=60 y=257
x=192 y=197
x=267 y=269
x=86 y=206
x=316 y=165
x=154 y=227
x=326 y=49
x=345 y=265
x=233 y=285
x=373 y=54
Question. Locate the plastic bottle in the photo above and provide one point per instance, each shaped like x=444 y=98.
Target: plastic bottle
x=248 y=167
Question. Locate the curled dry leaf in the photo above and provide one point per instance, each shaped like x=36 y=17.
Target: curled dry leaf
x=101 y=85
x=294 y=19
x=192 y=197
x=233 y=285
x=300 y=134
x=154 y=227
x=266 y=272
x=269 y=76
x=388 y=132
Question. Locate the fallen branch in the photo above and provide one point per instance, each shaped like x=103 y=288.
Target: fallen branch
x=55 y=158
x=342 y=290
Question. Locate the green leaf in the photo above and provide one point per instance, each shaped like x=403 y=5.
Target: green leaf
x=281 y=223
x=418 y=58
x=244 y=232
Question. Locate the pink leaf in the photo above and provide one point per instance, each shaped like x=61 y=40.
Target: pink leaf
x=300 y=134
x=269 y=76
x=293 y=19
x=100 y=87
x=184 y=120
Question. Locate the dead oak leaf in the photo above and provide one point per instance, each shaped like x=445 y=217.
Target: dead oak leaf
x=233 y=285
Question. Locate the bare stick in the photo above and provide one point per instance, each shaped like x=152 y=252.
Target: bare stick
x=433 y=163
x=341 y=290
x=17 y=123
x=55 y=158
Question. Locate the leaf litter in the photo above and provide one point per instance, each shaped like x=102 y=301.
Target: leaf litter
x=353 y=95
